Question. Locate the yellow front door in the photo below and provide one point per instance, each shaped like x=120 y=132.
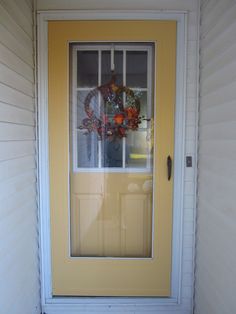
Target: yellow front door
x=109 y=142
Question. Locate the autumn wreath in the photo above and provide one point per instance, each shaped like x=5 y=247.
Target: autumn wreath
x=115 y=119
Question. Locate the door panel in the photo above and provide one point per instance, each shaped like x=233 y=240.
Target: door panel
x=86 y=231
x=114 y=223
x=102 y=247
x=135 y=219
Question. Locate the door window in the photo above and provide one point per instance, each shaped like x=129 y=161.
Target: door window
x=119 y=146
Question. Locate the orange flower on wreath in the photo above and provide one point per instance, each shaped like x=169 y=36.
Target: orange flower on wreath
x=132 y=113
x=118 y=118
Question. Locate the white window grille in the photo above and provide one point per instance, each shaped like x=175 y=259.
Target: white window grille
x=91 y=67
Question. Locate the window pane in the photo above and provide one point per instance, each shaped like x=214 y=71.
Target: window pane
x=87 y=153
x=138 y=149
x=106 y=67
x=87 y=68
x=112 y=152
x=136 y=69
x=87 y=143
x=93 y=105
x=145 y=112
x=143 y=108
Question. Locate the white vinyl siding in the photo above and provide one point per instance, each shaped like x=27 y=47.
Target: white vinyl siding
x=19 y=275
x=216 y=234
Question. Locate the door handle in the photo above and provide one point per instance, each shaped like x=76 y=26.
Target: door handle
x=169 y=167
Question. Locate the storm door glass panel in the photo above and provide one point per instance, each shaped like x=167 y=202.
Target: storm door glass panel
x=111 y=147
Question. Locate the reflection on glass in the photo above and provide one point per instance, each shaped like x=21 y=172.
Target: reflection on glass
x=139 y=151
x=87 y=68
x=111 y=214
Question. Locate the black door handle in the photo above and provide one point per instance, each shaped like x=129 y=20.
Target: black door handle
x=169 y=167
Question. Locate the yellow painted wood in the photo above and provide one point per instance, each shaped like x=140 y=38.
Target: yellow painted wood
x=108 y=216
x=110 y=277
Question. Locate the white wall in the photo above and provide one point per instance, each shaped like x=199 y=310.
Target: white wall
x=19 y=280
x=191 y=107
x=216 y=235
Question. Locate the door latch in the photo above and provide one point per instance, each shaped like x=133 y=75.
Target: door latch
x=169 y=167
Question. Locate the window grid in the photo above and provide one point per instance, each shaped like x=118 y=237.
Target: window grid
x=124 y=139
x=77 y=89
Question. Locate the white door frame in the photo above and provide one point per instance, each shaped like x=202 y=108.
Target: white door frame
x=50 y=304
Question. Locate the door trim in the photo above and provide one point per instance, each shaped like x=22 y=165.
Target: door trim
x=72 y=305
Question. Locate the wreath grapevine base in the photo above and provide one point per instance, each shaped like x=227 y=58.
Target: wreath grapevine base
x=122 y=119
